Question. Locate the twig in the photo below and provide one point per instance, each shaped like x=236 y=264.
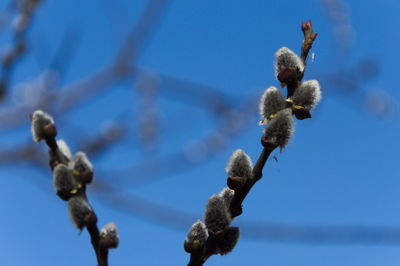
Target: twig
x=71 y=185
x=93 y=230
x=309 y=38
x=215 y=237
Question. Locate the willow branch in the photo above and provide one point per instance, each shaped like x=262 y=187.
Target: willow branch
x=242 y=186
x=93 y=230
x=71 y=174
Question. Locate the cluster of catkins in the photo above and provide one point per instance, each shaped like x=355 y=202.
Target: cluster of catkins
x=71 y=174
x=276 y=110
x=217 y=217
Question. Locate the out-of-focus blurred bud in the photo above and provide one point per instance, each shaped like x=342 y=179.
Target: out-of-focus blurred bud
x=20 y=22
x=8 y=58
x=64 y=182
x=216 y=217
x=28 y=6
x=288 y=65
x=379 y=103
x=228 y=242
x=272 y=101
x=80 y=212
x=280 y=129
x=109 y=236
x=307 y=95
x=239 y=169
x=20 y=48
x=227 y=195
x=42 y=126
x=196 y=237
x=82 y=168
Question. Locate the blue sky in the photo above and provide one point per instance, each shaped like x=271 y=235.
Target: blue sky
x=341 y=168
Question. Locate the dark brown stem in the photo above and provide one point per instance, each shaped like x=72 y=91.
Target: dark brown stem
x=101 y=253
x=200 y=257
x=196 y=259
x=291 y=87
x=309 y=38
x=293 y=83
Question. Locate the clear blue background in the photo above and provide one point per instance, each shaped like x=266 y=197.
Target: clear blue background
x=340 y=169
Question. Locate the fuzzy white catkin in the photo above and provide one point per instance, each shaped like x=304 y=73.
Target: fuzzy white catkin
x=308 y=94
x=228 y=241
x=286 y=58
x=281 y=128
x=239 y=165
x=40 y=119
x=216 y=216
x=79 y=209
x=272 y=101
x=63 y=180
x=81 y=162
x=110 y=231
x=198 y=232
x=227 y=195
x=63 y=147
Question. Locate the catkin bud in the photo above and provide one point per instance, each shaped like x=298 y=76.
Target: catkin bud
x=80 y=212
x=109 y=236
x=280 y=129
x=227 y=195
x=216 y=216
x=287 y=59
x=228 y=242
x=42 y=126
x=82 y=168
x=64 y=182
x=196 y=237
x=64 y=149
x=272 y=101
x=239 y=165
x=307 y=95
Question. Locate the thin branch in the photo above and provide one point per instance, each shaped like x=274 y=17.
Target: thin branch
x=309 y=38
x=93 y=230
x=200 y=252
x=43 y=127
